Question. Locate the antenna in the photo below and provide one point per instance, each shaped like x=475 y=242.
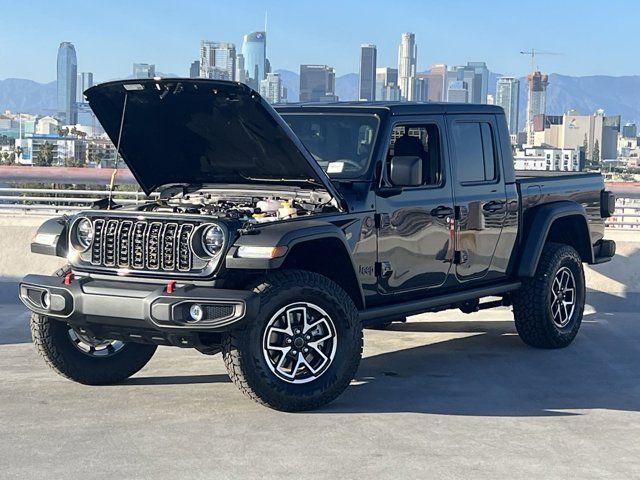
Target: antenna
x=265 y=21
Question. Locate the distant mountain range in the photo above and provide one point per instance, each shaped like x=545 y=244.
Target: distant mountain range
x=616 y=95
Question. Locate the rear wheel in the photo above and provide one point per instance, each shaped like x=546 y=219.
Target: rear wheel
x=304 y=347
x=548 y=308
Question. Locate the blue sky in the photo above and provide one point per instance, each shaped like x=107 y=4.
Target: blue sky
x=594 y=38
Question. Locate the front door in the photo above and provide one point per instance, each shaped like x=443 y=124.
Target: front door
x=479 y=193
x=415 y=249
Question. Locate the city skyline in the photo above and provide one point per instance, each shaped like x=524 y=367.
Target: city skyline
x=601 y=54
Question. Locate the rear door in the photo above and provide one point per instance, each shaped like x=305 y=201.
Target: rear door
x=479 y=194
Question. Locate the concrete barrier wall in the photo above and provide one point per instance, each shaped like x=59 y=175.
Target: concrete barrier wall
x=618 y=277
x=16 y=259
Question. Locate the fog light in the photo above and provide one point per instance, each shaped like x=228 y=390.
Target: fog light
x=46 y=300
x=196 y=312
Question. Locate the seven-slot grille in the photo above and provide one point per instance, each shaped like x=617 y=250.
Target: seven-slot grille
x=142 y=244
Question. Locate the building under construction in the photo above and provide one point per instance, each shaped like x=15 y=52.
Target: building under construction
x=537 y=101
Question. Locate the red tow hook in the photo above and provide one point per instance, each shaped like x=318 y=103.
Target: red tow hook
x=171 y=286
x=67 y=278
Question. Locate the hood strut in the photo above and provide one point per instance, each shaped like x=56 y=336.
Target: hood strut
x=115 y=170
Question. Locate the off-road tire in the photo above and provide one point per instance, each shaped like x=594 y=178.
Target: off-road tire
x=51 y=338
x=243 y=350
x=532 y=304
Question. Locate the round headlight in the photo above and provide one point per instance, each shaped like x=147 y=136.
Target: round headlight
x=213 y=240
x=84 y=233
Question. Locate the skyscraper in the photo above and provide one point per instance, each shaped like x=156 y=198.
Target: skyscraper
x=436 y=82
x=458 y=92
x=144 y=70
x=482 y=90
x=507 y=97
x=194 y=69
x=317 y=83
x=537 y=101
x=367 y=87
x=421 y=89
x=241 y=71
x=254 y=51
x=84 y=81
x=217 y=60
x=407 y=60
x=271 y=88
x=67 y=71
x=387 y=88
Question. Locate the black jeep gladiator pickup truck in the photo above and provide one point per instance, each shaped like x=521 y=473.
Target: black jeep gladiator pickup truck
x=274 y=236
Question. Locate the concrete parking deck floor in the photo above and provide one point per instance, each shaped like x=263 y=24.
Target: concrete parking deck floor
x=442 y=396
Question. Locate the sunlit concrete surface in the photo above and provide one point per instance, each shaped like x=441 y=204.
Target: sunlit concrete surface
x=445 y=395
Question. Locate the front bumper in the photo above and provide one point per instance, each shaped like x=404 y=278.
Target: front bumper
x=85 y=301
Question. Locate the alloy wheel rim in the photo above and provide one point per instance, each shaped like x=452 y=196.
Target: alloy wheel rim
x=299 y=343
x=94 y=347
x=563 y=301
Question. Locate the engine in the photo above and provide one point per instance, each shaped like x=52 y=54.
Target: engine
x=242 y=208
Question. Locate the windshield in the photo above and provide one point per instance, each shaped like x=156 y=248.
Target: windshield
x=341 y=143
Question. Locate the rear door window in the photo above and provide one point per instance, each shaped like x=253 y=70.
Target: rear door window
x=475 y=152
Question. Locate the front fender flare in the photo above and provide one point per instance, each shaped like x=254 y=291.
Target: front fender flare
x=51 y=238
x=286 y=234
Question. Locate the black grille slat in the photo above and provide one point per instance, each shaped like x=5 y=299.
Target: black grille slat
x=152 y=246
x=137 y=245
x=124 y=243
x=109 y=242
x=142 y=245
x=168 y=246
x=96 y=247
x=184 y=247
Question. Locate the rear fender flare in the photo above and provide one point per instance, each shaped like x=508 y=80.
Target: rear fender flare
x=540 y=221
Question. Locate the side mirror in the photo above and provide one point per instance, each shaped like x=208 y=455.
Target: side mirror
x=406 y=171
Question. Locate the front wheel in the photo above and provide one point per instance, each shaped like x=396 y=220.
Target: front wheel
x=84 y=359
x=304 y=347
x=548 y=308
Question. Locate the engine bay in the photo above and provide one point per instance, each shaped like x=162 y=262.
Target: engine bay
x=243 y=206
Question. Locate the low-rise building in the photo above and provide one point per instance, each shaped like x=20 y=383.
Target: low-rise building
x=549 y=159
x=47 y=126
x=598 y=132
x=52 y=150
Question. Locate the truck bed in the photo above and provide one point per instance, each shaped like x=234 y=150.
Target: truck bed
x=540 y=187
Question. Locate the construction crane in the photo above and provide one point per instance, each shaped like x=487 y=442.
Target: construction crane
x=532 y=53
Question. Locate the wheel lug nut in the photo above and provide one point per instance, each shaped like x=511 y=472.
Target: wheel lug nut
x=294 y=352
x=297 y=332
x=305 y=350
x=288 y=340
x=308 y=337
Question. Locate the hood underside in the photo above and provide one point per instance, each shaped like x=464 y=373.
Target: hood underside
x=202 y=132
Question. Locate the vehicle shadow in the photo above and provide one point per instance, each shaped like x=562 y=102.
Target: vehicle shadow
x=486 y=370
x=177 y=380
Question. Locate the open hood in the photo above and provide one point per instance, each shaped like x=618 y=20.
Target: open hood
x=202 y=132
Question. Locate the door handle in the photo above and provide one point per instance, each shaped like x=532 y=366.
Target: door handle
x=442 y=212
x=493 y=206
